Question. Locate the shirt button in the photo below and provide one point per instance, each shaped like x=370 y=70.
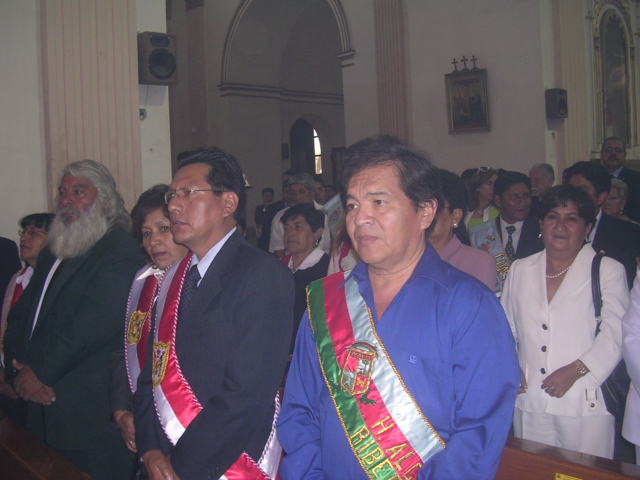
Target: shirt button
x=544 y=348
x=543 y=371
x=544 y=326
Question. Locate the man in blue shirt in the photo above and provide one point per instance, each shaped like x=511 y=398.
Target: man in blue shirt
x=404 y=367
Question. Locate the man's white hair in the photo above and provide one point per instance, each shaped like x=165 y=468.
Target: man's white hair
x=76 y=238
x=109 y=200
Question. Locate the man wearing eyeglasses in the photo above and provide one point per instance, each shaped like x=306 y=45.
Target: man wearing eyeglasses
x=613 y=156
x=205 y=402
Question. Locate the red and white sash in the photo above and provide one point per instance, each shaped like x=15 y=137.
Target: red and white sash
x=176 y=403
x=138 y=323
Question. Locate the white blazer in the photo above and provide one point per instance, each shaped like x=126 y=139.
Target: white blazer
x=631 y=353
x=552 y=335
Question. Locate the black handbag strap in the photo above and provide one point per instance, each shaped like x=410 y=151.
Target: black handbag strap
x=595 y=288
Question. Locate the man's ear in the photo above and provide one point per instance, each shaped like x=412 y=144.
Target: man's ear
x=497 y=201
x=230 y=202
x=428 y=211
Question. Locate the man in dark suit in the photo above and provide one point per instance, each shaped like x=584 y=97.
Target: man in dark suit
x=9 y=262
x=514 y=233
x=612 y=158
x=618 y=239
x=225 y=326
x=68 y=322
x=263 y=216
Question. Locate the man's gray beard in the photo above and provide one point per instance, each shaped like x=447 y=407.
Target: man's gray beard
x=75 y=239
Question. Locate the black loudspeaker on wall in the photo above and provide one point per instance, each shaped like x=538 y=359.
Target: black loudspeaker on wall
x=157 y=59
x=556 y=103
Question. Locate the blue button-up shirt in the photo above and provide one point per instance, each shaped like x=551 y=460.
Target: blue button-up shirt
x=450 y=341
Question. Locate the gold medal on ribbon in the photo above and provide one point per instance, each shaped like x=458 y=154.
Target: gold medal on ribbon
x=136 y=322
x=160 y=360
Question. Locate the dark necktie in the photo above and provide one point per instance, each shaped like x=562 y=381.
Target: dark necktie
x=509 y=250
x=188 y=290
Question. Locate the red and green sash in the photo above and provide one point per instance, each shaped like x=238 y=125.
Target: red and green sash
x=177 y=404
x=387 y=431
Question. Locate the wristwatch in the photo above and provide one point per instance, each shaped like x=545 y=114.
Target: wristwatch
x=582 y=369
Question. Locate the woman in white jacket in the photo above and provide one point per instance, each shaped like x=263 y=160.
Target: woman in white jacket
x=549 y=304
x=631 y=353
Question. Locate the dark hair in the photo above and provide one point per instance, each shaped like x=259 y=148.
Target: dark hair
x=453 y=190
x=613 y=138
x=225 y=173
x=473 y=181
x=419 y=179
x=268 y=190
x=507 y=179
x=148 y=201
x=454 y=193
x=594 y=173
x=315 y=218
x=38 y=220
x=560 y=195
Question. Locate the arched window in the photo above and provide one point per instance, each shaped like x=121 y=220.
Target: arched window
x=317 y=153
x=615 y=76
x=306 y=151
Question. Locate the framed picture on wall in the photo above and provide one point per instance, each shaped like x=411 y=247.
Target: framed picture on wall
x=467 y=100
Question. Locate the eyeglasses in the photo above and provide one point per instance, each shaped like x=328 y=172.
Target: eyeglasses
x=31 y=232
x=614 y=149
x=186 y=193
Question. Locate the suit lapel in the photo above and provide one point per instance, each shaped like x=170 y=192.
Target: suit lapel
x=525 y=236
x=498 y=229
x=65 y=272
x=211 y=285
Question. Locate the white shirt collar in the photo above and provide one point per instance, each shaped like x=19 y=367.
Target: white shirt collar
x=309 y=261
x=205 y=262
x=152 y=270
x=515 y=236
x=592 y=233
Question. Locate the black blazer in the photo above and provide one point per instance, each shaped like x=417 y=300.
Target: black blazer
x=632 y=179
x=9 y=262
x=79 y=326
x=530 y=241
x=232 y=347
x=620 y=240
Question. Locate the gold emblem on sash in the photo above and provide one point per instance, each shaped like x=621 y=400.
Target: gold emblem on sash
x=160 y=360
x=357 y=368
x=136 y=322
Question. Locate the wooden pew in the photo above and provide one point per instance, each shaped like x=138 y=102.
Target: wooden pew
x=527 y=460
x=24 y=457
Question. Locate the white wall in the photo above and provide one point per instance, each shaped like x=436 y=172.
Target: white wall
x=23 y=178
x=505 y=36
x=155 y=140
x=359 y=84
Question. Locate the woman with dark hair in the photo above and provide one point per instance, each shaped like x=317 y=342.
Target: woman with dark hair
x=449 y=233
x=303 y=228
x=151 y=226
x=34 y=232
x=480 y=192
x=565 y=352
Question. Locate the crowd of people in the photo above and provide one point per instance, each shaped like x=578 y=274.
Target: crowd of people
x=402 y=327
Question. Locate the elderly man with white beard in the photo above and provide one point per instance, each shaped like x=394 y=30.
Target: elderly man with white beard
x=69 y=321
